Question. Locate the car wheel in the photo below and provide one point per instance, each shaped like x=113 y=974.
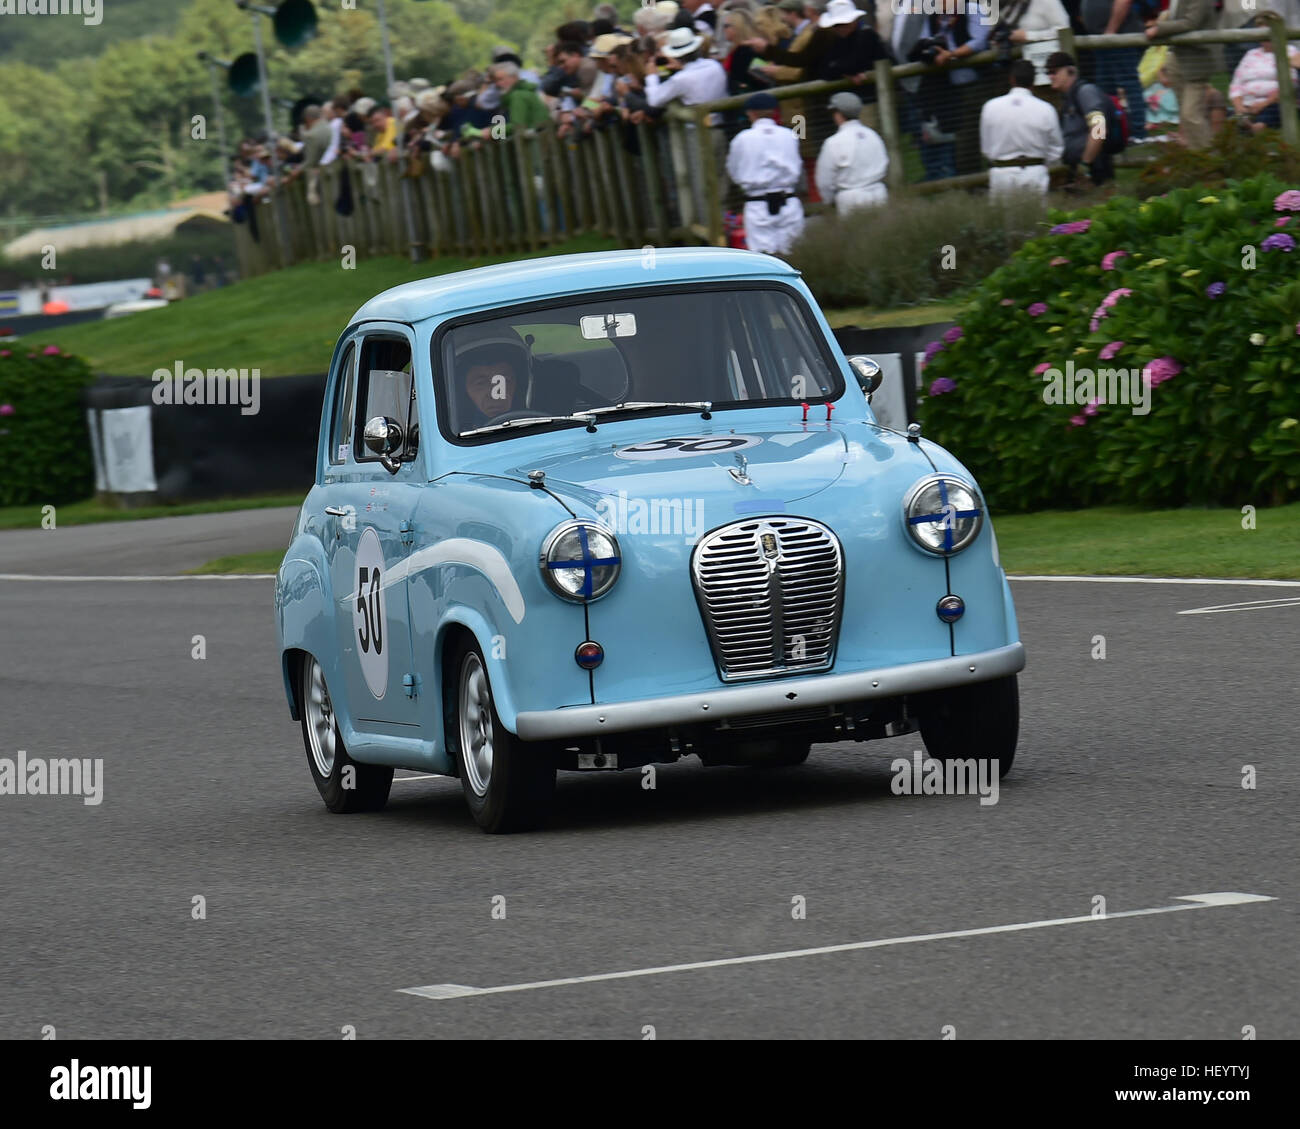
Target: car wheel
x=981 y=720
x=344 y=784
x=508 y=783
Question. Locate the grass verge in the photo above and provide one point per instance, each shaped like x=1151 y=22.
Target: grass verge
x=92 y=510
x=267 y=560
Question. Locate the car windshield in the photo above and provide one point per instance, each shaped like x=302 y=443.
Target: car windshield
x=733 y=348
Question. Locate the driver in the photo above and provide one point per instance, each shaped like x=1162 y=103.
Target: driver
x=491 y=365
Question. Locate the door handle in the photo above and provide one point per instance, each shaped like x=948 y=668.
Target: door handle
x=336 y=511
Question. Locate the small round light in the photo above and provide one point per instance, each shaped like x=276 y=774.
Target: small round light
x=580 y=561
x=589 y=655
x=943 y=514
x=950 y=609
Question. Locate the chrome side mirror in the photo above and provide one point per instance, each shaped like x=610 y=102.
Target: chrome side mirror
x=383 y=436
x=868 y=374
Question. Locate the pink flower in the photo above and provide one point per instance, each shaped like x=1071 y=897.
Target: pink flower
x=1090 y=409
x=1109 y=261
x=1162 y=369
x=1288 y=201
x=6 y=409
x=1078 y=421
x=6 y=353
x=1115 y=295
x=1281 y=221
x=1037 y=309
x=1297 y=329
x=1059 y=261
x=1040 y=369
x=51 y=350
x=1075 y=227
x=1108 y=351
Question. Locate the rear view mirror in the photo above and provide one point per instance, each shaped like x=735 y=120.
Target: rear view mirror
x=868 y=374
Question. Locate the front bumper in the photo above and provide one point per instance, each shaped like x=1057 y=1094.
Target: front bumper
x=769 y=697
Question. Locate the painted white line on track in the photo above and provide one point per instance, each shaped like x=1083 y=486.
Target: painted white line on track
x=1158 y=580
x=426 y=776
x=138 y=579
x=1192 y=901
x=1246 y=606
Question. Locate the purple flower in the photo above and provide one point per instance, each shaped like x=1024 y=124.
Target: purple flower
x=1216 y=290
x=51 y=350
x=6 y=409
x=953 y=334
x=1162 y=369
x=1280 y=241
x=1109 y=261
x=1108 y=351
x=1075 y=227
x=1078 y=421
x=1038 y=309
x=932 y=350
x=1288 y=201
x=941 y=385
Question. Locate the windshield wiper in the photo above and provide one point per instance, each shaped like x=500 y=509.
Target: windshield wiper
x=589 y=418
x=705 y=407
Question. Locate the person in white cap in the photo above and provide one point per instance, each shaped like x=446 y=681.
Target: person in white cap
x=695 y=79
x=852 y=165
x=1020 y=136
x=764 y=163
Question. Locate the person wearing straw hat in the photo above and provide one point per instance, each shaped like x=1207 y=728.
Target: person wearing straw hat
x=764 y=163
x=694 y=78
x=853 y=162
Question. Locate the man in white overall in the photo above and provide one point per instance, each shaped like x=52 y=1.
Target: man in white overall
x=1020 y=136
x=852 y=164
x=764 y=161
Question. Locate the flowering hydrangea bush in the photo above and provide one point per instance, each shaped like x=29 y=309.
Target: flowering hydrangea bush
x=44 y=445
x=1196 y=296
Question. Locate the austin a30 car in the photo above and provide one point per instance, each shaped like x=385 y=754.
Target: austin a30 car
x=605 y=511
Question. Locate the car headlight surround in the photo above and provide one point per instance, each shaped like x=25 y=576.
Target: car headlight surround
x=580 y=560
x=943 y=514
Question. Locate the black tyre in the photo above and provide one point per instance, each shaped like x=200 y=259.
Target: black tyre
x=343 y=784
x=508 y=783
x=981 y=720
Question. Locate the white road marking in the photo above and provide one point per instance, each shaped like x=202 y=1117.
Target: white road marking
x=1158 y=580
x=1245 y=606
x=1194 y=901
x=426 y=776
x=138 y=579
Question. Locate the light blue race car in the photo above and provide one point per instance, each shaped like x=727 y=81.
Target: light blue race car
x=604 y=511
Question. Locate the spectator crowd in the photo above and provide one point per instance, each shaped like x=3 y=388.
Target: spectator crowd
x=622 y=69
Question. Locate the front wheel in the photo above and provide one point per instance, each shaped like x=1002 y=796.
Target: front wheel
x=979 y=720
x=508 y=783
x=344 y=784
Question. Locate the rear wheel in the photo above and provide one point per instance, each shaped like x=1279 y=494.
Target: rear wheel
x=508 y=783
x=979 y=720
x=344 y=784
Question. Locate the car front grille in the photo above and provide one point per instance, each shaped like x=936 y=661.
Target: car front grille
x=771 y=591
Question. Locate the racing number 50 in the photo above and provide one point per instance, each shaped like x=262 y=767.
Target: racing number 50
x=371 y=628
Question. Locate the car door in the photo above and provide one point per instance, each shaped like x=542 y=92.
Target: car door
x=372 y=508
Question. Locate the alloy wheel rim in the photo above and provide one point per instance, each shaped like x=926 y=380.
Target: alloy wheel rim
x=321 y=730
x=476 y=735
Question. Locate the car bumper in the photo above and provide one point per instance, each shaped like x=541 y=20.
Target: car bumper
x=769 y=697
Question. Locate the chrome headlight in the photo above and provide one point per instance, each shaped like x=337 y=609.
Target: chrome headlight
x=943 y=514
x=580 y=560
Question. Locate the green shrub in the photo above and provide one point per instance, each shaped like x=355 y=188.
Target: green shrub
x=913 y=249
x=1233 y=154
x=1221 y=431
x=44 y=444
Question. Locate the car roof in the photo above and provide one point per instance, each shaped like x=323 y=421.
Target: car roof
x=558 y=275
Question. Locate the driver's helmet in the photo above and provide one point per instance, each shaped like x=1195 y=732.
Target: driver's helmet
x=487 y=345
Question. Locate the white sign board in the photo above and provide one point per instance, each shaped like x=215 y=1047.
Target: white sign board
x=128 y=450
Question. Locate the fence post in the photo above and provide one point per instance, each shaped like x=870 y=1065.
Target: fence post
x=885 y=100
x=1285 y=87
x=654 y=186
x=527 y=189
x=709 y=175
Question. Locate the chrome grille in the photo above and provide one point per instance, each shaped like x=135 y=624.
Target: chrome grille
x=770 y=591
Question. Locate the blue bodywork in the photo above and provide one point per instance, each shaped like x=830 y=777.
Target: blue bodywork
x=460 y=528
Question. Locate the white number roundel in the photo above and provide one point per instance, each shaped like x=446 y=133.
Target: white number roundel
x=688 y=447
x=369 y=616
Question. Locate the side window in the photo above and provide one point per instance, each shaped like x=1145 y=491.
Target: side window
x=385 y=387
x=341 y=420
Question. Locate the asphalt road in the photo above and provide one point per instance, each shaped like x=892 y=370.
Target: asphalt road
x=1127 y=785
